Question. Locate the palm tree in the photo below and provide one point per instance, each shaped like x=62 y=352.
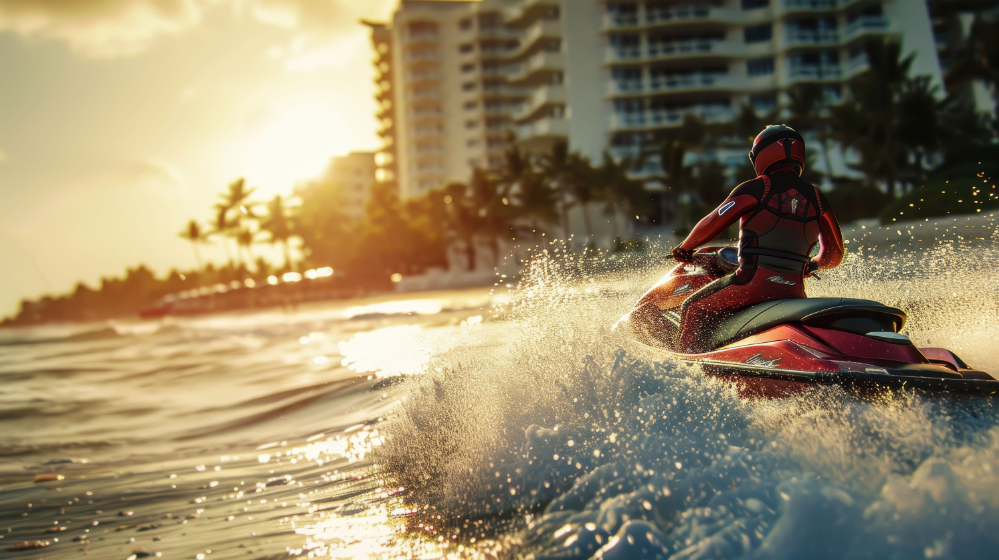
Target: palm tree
x=537 y=201
x=490 y=198
x=193 y=234
x=237 y=198
x=624 y=195
x=869 y=121
x=678 y=175
x=978 y=57
x=223 y=227
x=808 y=112
x=461 y=217
x=235 y=201
x=245 y=238
x=562 y=168
x=279 y=226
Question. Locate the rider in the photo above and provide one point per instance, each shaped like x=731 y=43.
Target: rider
x=782 y=218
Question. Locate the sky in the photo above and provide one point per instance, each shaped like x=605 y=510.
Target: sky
x=121 y=120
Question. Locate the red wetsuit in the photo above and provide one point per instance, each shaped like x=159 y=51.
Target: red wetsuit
x=782 y=218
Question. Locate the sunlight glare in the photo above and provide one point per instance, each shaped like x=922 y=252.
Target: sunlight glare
x=296 y=145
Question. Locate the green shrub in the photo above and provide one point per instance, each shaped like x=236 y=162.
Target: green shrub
x=962 y=189
x=854 y=200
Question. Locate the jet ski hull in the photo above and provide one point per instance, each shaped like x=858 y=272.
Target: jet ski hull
x=785 y=347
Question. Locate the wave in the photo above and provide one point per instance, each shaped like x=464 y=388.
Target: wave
x=561 y=444
x=102 y=333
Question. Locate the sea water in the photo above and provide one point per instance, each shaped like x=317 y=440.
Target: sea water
x=514 y=421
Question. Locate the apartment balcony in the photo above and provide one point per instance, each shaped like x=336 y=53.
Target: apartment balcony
x=500 y=111
x=541 y=62
x=547 y=127
x=634 y=153
x=528 y=11
x=809 y=5
x=428 y=153
x=804 y=37
x=542 y=97
x=688 y=48
x=673 y=82
x=423 y=37
x=693 y=81
x=864 y=24
x=684 y=47
x=672 y=15
x=664 y=118
x=857 y=64
x=497 y=32
x=623 y=54
x=504 y=91
x=665 y=14
x=423 y=95
x=425 y=114
x=417 y=58
x=541 y=29
x=815 y=72
x=422 y=132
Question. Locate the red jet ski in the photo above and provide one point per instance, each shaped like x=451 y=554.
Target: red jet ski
x=783 y=347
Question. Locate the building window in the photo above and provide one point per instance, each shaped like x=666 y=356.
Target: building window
x=471 y=124
x=763 y=102
x=627 y=78
x=471 y=105
x=466 y=68
x=758 y=33
x=466 y=48
x=468 y=86
x=626 y=46
x=753 y=4
x=760 y=66
x=465 y=24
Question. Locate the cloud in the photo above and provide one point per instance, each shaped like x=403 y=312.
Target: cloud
x=100 y=28
x=115 y=28
x=319 y=17
x=328 y=37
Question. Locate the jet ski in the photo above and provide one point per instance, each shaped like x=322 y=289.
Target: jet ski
x=784 y=347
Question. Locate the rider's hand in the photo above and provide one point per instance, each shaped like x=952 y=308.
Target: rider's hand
x=683 y=255
x=810 y=268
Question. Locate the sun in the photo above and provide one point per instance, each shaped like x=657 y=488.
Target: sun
x=293 y=145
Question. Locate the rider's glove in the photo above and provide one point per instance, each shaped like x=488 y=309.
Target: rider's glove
x=810 y=269
x=683 y=255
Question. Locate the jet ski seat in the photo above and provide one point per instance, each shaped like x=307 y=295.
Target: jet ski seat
x=859 y=316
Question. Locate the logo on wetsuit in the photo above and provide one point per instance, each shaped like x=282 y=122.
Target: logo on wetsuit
x=728 y=206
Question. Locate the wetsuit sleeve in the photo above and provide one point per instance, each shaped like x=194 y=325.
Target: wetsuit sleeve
x=831 y=249
x=742 y=200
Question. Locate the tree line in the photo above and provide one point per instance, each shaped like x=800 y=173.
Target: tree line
x=915 y=151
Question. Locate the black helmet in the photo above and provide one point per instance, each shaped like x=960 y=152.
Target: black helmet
x=777 y=143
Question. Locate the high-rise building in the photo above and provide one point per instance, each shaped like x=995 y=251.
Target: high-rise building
x=469 y=77
x=346 y=183
x=386 y=158
x=666 y=60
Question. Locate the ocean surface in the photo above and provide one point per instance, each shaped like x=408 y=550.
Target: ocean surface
x=513 y=421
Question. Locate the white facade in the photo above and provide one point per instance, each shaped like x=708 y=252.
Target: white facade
x=470 y=76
